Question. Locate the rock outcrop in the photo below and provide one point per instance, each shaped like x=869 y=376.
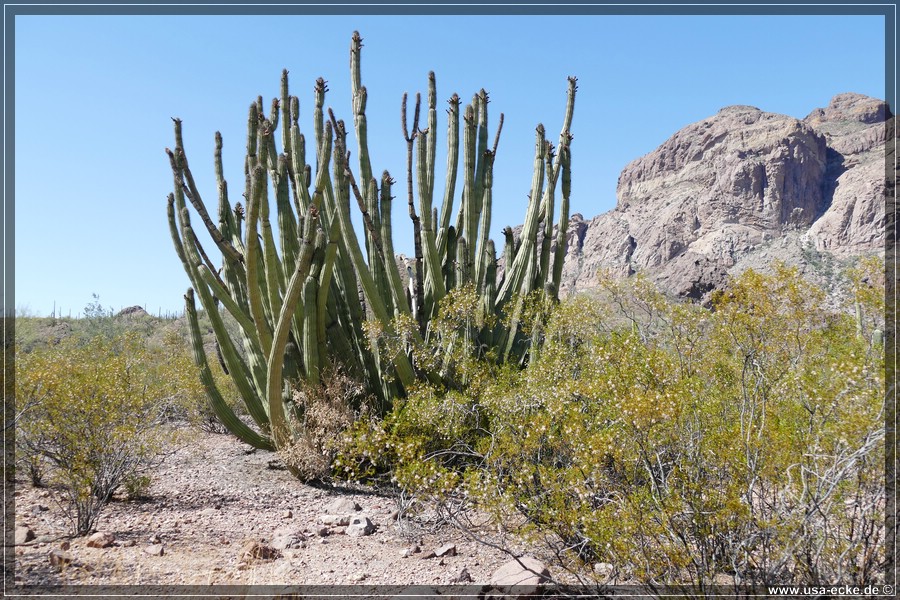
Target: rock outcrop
x=741 y=184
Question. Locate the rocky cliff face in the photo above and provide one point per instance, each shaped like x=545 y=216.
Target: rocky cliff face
x=741 y=188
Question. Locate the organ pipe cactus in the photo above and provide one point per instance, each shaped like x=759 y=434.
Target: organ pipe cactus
x=299 y=304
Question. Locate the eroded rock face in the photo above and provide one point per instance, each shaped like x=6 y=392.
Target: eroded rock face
x=854 y=128
x=724 y=189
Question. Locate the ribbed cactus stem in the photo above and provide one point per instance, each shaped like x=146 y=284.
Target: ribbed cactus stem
x=310 y=344
x=218 y=404
x=485 y=226
x=185 y=180
x=432 y=139
x=419 y=295
x=548 y=203
x=232 y=359
x=489 y=293
x=287 y=223
x=252 y=134
x=401 y=306
x=462 y=262
x=563 y=227
x=481 y=107
x=470 y=201
x=257 y=310
x=449 y=267
x=275 y=382
x=319 y=118
x=434 y=280
x=450 y=182
x=515 y=272
x=351 y=243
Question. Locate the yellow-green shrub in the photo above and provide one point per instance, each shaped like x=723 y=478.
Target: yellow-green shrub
x=674 y=442
x=94 y=416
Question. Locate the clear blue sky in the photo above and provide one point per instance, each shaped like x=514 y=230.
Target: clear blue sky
x=94 y=96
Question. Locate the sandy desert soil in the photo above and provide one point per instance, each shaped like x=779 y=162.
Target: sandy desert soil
x=211 y=500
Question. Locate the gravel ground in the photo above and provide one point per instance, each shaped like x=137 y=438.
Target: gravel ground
x=213 y=502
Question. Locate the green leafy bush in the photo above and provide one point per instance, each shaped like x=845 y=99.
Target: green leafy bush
x=94 y=415
x=679 y=444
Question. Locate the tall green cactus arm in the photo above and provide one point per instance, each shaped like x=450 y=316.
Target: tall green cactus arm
x=185 y=181
x=547 y=205
x=252 y=134
x=509 y=248
x=311 y=341
x=342 y=201
x=226 y=218
x=298 y=160
x=432 y=139
x=450 y=182
x=515 y=273
x=318 y=121
x=393 y=275
x=285 y=102
x=287 y=223
x=326 y=274
x=434 y=280
x=236 y=365
x=216 y=401
x=417 y=225
x=480 y=102
x=465 y=226
x=563 y=228
x=368 y=222
x=173 y=231
x=275 y=382
x=482 y=259
x=565 y=136
x=489 y=292
x=274 y=114
x=359 y=95
x=257 y=310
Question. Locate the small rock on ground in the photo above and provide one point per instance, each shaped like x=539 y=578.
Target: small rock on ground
x=360 y=526
x=342 y=506
x=521 y=577
x=101 y=539
x=23 y=535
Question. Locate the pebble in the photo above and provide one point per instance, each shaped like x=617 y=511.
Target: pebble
x=360 y=526
x=60 y=558
x=23 y=535
x=446 y=550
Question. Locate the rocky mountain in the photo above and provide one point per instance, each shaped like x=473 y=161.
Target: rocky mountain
x=742 y=188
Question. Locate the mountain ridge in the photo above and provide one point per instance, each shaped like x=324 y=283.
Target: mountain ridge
x=739 y=189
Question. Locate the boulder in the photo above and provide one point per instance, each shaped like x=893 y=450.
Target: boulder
x=342 y=506
x=521 y=578
x=23 y=535
x=101 y=539
x=360 y=526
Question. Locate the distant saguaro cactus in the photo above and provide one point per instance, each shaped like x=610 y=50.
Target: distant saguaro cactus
x=297 y=302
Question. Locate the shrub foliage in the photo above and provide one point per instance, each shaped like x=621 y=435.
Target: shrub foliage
x=679 y=444
x=93 y=416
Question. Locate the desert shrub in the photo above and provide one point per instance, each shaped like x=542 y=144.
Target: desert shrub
x=95 y=418
x=321 y=413
x=678 y=444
